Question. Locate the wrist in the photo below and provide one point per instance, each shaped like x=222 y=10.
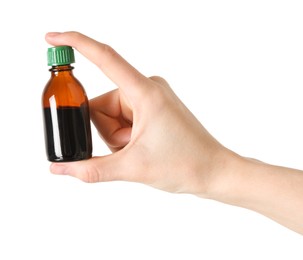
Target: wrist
x=225 y=176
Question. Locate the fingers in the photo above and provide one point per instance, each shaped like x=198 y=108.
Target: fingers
x=115 y=167
x=110 y=120
x=96 y=169
x=115 y=133
x=108 y=60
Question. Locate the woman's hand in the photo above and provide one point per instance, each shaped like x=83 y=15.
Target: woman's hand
x=154 y=138
x=157 y=141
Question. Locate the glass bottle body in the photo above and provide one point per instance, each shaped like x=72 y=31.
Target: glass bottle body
x=67 y=127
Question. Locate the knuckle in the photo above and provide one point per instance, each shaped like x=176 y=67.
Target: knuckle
x=91 y=174
x=159 y=80
x=110 y=52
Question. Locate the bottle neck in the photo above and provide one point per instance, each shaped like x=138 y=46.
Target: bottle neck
x=59 y=68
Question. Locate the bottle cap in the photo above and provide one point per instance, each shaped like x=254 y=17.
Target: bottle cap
x=60 y=55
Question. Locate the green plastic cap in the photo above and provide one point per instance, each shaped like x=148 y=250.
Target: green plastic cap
x=60 y=55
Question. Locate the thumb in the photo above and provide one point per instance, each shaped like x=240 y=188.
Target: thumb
x=96 y=169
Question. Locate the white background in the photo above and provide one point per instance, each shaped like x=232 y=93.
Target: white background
x=238 y=65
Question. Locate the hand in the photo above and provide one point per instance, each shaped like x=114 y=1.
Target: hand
x=157 y=141
x=154 y=138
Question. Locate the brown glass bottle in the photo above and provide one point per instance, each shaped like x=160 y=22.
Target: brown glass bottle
x=65 y=110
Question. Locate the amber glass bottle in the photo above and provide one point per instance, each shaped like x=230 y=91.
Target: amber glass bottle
x=65 y=110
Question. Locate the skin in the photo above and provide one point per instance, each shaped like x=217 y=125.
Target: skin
x=157 y=141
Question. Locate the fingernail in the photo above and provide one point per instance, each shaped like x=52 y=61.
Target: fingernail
x=53 y=34
x=58 y=168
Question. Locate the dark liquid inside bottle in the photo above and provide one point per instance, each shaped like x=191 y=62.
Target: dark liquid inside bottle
x=68 y=133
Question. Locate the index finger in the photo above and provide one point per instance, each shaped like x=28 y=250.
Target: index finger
x=106 y=58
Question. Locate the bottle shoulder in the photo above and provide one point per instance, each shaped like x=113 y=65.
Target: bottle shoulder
x=66 y=89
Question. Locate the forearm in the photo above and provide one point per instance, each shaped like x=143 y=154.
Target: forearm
x=276 y=192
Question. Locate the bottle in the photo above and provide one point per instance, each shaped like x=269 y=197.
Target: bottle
x=66 y=117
